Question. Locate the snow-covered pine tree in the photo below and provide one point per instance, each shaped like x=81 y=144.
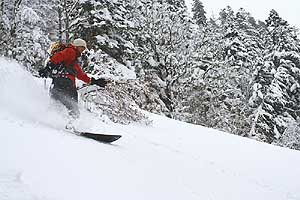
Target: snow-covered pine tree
x=204 y=50
x=104 y=26
x=275 y=92
x=199 y=13
x=24 y=38
x=164 y=51
x=291 y=136
x=9 y=19
x=222 y=99
x=47 y=11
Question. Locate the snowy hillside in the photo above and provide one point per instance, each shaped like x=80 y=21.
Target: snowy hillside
x=166 y=160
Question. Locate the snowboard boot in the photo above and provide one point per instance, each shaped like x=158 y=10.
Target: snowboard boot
x=70 y=125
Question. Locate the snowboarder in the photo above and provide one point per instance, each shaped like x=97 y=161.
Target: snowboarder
x=65 y=65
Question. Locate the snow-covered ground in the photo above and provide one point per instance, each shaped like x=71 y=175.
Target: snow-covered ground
x=166 y=160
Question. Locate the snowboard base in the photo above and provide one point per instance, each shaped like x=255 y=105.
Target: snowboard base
x=104 y=138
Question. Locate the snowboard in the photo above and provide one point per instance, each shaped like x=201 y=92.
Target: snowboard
x=104 y=138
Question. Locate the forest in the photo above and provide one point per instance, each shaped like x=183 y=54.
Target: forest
x=229 y=72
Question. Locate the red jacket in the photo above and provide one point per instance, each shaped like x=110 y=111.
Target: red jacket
x=68 y=57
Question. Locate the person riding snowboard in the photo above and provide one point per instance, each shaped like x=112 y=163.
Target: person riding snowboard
x=67 y=69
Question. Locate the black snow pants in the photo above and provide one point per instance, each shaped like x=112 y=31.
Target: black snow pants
x=65 y=92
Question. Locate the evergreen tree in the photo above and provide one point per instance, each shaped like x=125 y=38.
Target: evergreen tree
x=164 y=42
x=104 y=26
x=199 y=13
x=9 y=19
x=291 y=136
x=24 y=38
x=276 y=88
x=222 y=98
x=281 y=36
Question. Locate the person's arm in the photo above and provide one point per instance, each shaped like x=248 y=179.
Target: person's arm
x=80 y=74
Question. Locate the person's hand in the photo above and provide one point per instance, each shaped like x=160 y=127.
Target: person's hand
x=100 y=82
x=47 y=70
x=43 y=73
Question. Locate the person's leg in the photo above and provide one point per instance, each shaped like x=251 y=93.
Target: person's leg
x=64 y=92
x=72 y=103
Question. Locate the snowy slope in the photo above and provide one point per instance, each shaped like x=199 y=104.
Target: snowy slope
x=167 y=160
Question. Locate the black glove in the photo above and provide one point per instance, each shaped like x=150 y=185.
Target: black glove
x=51 y=69
x=47 y=71
x=44 y=73
x=100 y=82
